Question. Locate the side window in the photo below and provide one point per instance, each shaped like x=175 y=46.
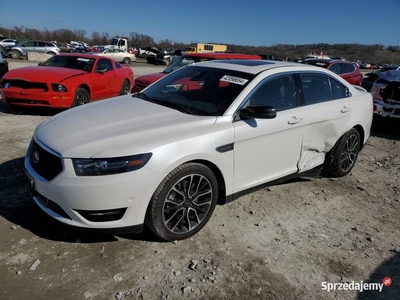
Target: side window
x=335 y=68
x=41 y=44
x=338 y=89
x=346 y=68
x=316 y=88
x=277 y=92
x=29 y=44
x=104 y=64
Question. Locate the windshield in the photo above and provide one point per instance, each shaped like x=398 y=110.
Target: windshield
x=198 y=90
x=184 y=61
x=72 y=62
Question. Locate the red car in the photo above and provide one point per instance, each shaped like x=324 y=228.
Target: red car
x=348 y=70
x=65 y=81
x=143 y=81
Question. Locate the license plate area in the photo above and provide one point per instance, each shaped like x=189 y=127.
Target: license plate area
x=30 y=182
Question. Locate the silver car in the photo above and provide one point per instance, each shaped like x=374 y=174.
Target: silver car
x=118 y=55
x=33 y=46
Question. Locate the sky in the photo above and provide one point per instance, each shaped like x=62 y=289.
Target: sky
x=247 y=23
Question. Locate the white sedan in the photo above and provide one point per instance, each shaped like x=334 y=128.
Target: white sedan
x=205 y=134
x=117 y=54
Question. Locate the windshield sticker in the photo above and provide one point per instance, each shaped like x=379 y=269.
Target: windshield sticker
x=83 y=59
x=234 y=79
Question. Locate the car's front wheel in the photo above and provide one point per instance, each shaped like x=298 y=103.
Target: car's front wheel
x=126 y=61
x=16 y=54
x=344 y=156
x=82 y=97
x=183 y=202
x=51 y=53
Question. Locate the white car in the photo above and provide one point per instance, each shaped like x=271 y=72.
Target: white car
x=117 y=54
x=206 y=133
x=8 y=42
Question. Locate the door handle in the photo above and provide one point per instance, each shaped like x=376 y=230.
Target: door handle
x=294 y=120
x=344 y=109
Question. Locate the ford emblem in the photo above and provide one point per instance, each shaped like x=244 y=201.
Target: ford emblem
x=35 y=157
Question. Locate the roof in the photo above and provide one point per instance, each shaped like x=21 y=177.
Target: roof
x=83 y=55
x=223 y=55
x=254 y=66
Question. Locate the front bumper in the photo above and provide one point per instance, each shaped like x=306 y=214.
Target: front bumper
x=111 y=204
x=27 y=98
x=386 y=110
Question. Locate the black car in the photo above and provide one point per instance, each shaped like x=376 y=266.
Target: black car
x=386 y=94
x=3 y=68
x=370 y=78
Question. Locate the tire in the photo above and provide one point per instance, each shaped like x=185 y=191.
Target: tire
x=82 y=97
x=126 y=61
x=51 y=53
x=344 y=156
x=175 y=212
x=16 y=54
x=126 y=88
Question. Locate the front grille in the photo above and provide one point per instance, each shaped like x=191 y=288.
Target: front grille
x=26 y=85
x=140 y=85
x=43 y=162
x=26 y=101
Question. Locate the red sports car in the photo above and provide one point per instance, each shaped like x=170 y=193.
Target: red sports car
x=65 y=81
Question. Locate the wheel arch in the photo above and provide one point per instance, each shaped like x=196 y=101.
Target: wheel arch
x=361 y=131
x=218 y=175
x=84 y=86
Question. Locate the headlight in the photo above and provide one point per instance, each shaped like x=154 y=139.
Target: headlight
x=108 y=166
x=58 y=87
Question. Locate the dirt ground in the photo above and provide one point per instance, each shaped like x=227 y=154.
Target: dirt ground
x=282 y=242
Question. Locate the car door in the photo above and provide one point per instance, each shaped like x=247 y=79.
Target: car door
x=268 y=149
x=29 y=47
x=325 y=113
x=118 y=55
x=41 y=47
x=104 y=79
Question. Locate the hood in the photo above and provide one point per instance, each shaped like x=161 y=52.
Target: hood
x=149 y=79
x=119 y=126
x=392 y=75
x=44 y=74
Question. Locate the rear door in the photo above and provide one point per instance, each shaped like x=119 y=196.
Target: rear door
x=325 y=113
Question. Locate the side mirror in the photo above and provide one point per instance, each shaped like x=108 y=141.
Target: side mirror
x=257 y=112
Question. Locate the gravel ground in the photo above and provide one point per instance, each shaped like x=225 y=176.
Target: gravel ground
x=282 y=242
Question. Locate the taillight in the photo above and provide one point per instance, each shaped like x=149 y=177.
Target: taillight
x=375 y=90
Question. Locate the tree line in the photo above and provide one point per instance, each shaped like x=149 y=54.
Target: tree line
x=374 y=53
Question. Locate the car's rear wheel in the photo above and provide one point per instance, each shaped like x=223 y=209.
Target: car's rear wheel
x=126 y=60
x=344 y=156
x=16 y=54
x=183 y=202
x=125 y=89
x=82 y=97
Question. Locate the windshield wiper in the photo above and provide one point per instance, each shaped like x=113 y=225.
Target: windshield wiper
x=179 y=107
